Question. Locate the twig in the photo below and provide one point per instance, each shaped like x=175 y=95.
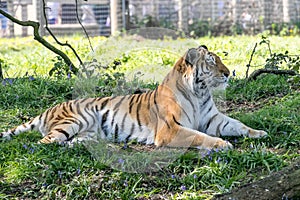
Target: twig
x=85 y=32
x=249 y=64
x=56 y=40
x=258 y=72
x=1 y=74
x=35 y=26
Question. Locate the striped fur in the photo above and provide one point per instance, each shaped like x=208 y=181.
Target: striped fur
x=179 y=112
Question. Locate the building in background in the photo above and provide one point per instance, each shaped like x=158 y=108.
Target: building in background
x=198 y=17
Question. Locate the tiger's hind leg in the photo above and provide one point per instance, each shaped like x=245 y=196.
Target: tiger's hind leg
x=63 y=138
x=88 y=136
x=55 y=136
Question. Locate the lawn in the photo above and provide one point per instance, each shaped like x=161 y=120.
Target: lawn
x=32 y=171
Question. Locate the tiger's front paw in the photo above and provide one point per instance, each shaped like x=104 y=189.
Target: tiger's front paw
x=222 y=144
x=217 y=143
x=257 y=133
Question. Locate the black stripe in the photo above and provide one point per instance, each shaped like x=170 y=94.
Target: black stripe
x=92 y=116
x=63 y=132
x=206 y=101
x=143 y=141
x=71 y=138
x=116 y=133
x=64 y=114
x=97 y=108
x=132 y=129
x=210 y=120
x=104 y=119
x=225 y=125
x=74 y=120
x=119 y=103
x=202 y=65
x=154 y=100
x=95 y=113
x=148 y=105
x=155 y=95
x=209 y=109
x=58 y=117
x=30 y=121
x=51 y=113
x=138 y=97
x=218 y=132
x=83 y=100
x=104 y=103
x=66 y=122
x=138 y=114
x=46 y=117
x=13 y=131
x=203 y=85
x=185 y=96
x=185 y=113
x=166 y=121
x=145 y=95
x=64 y=108
x=78 y=109
x=71 y=107
x=90 y=103
x=113 y=118
x=176 y=121
x=112 y=98
x=131 y=103
x=196 y=79
x=131 y=132
x=123 y=122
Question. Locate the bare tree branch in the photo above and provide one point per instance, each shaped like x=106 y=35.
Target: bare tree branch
x=35 y=26
x=258 y=72
x=79 y=21
x=249 y=64
x=56 y=40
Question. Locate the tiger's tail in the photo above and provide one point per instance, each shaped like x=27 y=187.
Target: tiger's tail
x=28 y=126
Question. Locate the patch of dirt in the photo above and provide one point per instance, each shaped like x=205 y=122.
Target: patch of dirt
x=284 y=184
x=230 y=106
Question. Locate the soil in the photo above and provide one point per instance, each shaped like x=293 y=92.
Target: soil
x=284 y=184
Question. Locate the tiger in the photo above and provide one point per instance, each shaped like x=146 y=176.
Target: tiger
x=180 y=112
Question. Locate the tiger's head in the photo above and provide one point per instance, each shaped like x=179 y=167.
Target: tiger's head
x=202 y=69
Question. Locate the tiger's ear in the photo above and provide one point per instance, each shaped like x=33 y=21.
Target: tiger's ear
x=203 y=47
x=188 y=60
x=192 y=56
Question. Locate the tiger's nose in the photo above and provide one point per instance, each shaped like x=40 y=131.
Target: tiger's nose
x=226 y=74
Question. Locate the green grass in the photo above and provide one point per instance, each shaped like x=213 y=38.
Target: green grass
x=32 y=171
x=24 y=55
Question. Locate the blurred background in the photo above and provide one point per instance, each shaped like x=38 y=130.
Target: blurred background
x=194 y=18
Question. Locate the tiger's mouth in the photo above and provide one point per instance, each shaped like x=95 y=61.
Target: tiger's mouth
x=219 y=82
x=221 y=79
